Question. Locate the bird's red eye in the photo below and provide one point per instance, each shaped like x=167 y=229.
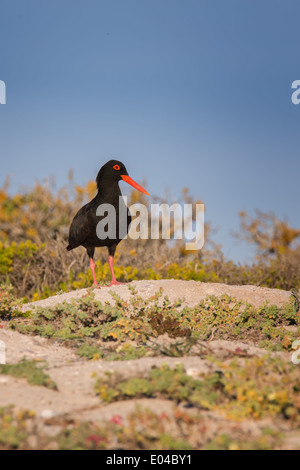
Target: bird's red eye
x=116 y=167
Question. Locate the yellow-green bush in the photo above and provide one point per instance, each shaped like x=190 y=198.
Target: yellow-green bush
x=23 y=251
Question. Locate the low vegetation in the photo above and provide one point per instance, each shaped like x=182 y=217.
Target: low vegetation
x=238 y=389
x=30 y=370
x=143 y=429
x=126 y=330
x=208 y=411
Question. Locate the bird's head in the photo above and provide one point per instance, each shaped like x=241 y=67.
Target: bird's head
x=115 y=171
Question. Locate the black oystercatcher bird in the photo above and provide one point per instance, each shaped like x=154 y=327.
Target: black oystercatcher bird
x=86 y=228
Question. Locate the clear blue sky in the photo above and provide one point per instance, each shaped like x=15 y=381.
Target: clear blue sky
x=192 y=93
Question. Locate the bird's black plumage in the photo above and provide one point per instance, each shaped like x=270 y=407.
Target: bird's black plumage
x=83 y=229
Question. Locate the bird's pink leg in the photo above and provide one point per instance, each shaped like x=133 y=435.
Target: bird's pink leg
x=92 y=266
x=111 y=267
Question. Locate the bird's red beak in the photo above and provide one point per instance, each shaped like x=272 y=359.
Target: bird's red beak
x=134 y=184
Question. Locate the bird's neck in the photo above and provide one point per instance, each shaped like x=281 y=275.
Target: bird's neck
x=109 y=193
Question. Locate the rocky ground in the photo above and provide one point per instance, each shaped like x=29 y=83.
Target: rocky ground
x=75 y=397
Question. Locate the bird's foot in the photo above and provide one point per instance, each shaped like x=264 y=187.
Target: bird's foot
x=96 y=285
x=116 y=283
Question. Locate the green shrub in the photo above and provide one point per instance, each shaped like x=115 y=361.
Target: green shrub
x=29 y=370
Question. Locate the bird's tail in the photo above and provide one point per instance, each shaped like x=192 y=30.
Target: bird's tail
x=69 y=247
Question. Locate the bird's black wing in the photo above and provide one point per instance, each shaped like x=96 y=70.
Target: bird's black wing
x=80 y=228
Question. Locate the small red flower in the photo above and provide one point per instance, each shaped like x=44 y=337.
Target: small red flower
x=95 y=439
x=117 y=419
